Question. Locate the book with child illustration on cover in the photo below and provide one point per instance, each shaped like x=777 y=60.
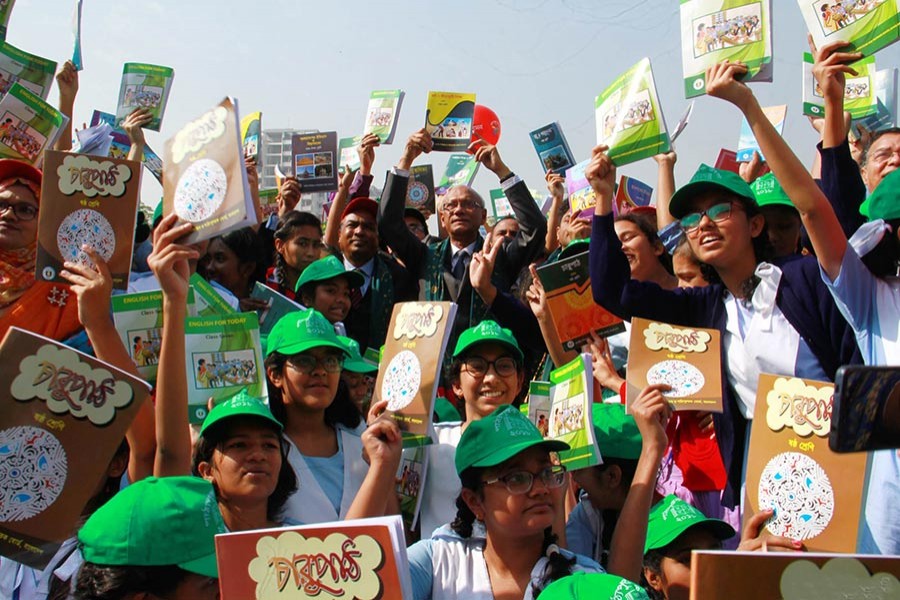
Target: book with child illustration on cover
x=144 y=86
x=356 y=558
x=121 y=144
x=570 y=418
x=251 y=135
x=383 y=114
x=205 y=180
x=860 y=99
x=866 y=25
x=28 y=70
x=448 y=119
x=688 y=359
x=461 y=170
x=581 y=194
x=348 y=157
x=87 y=202
x=63 y=415
x=28 y=125
x=815 y=492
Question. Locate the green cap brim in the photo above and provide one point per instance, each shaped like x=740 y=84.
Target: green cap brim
x=308 y=344
x=205 y=566
x=214 y=418
x=359 y=366
x=355 y=280
x=501 y=454
x=681 y=199
x=720 y=529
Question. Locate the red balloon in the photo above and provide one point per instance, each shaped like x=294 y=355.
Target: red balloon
x=485 y=125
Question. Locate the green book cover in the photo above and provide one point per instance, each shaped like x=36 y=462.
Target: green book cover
x=223 y=356
x=448 y=119
x=144 y=86
x=539 y=405
x=461 y=170
x=277 y=305
x=28 y=125
x=28 y=70
x=348 y=157
x=716 y=30
x=860 y=98
x=5 y=11
x=209 y=301
x=268 y=201
x=499 y=208
x=629 y=117
x=382 y=114
x=139 y=319
x=570 y=418
x=867 y=25
x=410 y=482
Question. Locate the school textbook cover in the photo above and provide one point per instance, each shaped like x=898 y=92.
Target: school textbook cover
x=138 y=319
x=448 y=118
x=420 y=189
x=747 y=143
x=867 y=25
x=91 y=201
x=251 y=132
x=575 y=315
x=860 y=98
x=688 y=359
x=315 y=160
x=28 y=70
x=715 y=30
x=357 y=558
x=885 y=114
x=499 y=207
x=63 y=415
x=460 y=170
x=629 y=116
x=223 y=356
x=209 y=301
x=205 y=180
x=121 y=144
x=28 y=125
x=382 y=114
x=410 y=366
x=581 y=194
x=552 y=148
x=277 y=305
x=347 y=153
x=144 y=86
x=411 y=473
x=631 y=193
x=817 y=494
x=717 y=574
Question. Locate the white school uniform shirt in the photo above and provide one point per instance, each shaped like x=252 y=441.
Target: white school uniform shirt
x=442 y=484
x=21 y=582
x=309 y=504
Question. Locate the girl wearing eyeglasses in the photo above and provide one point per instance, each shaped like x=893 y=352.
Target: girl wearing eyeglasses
x=501 y=543
x=776 y=319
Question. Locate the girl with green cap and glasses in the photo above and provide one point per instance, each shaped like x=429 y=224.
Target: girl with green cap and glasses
x=487 y=372
x=501 y=544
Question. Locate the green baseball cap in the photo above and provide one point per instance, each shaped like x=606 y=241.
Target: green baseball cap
x=768 y=191
x=329 y=268
x=300 y=331
x=884 y=202
x=157 y=212
x=445 y=411
x=672 y=516
x=355 y=363
x=487 y=331
x=709 y=179
x=616 y=433
x=156 y=522
x=241 y=404
x=575 y=247
x=499 y=436
x=596 y=586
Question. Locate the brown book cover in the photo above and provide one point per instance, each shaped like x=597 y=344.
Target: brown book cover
x=816 y=493
x=87 y=200
x=204 y=179
x=793 y=576
x=410 y=366
x=63 y=414
x=364 y=558
x=687 y=358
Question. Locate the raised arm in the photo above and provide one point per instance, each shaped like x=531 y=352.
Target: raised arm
x=391 y=226
x=824 y=230
x=169 y=262
x=67 y=82
x=665 y=187
x=333 y=224
x=556 y=184
x=382 y=449
x=93 y=288
x=133 y=125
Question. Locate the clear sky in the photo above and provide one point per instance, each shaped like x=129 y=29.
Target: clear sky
x=312 y=65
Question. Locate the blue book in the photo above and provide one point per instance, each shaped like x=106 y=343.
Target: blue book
x=747 y=143
x=552 y=148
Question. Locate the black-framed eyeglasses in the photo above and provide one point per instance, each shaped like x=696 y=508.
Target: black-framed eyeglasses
x=23 y=210
x=716 y=213
x=477 y=366
x=521 y=482
x=466 y=205
x=306 y=363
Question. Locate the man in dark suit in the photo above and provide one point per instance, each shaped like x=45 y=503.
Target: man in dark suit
x=442 y=268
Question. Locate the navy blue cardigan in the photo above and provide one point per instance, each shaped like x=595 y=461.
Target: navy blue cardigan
x=802 y=297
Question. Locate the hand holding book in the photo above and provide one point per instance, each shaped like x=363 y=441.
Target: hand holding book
x=723 y=81
x=651 y=411
x=169 y=260
x=366 y=151
x=489 y=156
x=601 y=174
x=417 y=143
x=92 y=287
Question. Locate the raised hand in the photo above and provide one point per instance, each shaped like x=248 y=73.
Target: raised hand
x=481 y=268
x=366 y=152
x=723 y=81
x=93 y=288
x=831 y=67
x=489 y=156
x=601 y=174
x=652 y=412
x=753 y=538
x=604 y=370
x=556 y=184
x=751 y=170
x=288 y=196
x=346 y=180
x=536 y=297
x=169 y=259
x=67 y=82
x=418 y=143
x=134 y=123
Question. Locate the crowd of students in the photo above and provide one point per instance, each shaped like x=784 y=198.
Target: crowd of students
x=780 y=261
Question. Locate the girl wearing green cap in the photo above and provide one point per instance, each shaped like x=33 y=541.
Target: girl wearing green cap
x=328 y=287
x=865 y=292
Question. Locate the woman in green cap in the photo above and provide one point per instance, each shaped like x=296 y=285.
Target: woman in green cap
x=328 y=287
x=487 y=372
x=358 y=374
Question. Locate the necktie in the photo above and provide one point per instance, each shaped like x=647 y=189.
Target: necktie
x=356 y=295
x=462 y=261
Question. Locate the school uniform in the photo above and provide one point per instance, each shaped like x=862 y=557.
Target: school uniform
x=442 y=484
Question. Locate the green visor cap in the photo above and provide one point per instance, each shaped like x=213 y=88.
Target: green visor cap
x=355 y=363
x=241 y=404
x=488 y=331
x=709 y=179
x=596 y=586
x=768 y=192
x=300 y=331
x=445 y=411
x=616 y=433
x=672 y=516
x=156 y=522
x=329 y=268
x=575 y=247
x=498 y=437
x=884 y=202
